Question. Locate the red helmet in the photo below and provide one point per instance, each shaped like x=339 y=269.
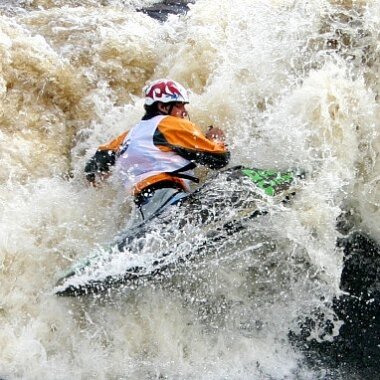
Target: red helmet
x=165 y=91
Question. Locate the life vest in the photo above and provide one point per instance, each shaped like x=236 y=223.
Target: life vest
x=140 y=163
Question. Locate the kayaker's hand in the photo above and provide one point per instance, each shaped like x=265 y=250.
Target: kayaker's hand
x=215 y=134
x=96 y=180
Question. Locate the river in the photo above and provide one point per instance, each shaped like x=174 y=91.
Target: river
x=293 y=83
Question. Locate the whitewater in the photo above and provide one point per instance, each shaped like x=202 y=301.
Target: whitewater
x=294 y=84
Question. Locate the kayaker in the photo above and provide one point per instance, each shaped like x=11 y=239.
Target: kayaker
x=156 y=158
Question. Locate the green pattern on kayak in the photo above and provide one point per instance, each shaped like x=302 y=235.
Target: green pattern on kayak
x=270 y=181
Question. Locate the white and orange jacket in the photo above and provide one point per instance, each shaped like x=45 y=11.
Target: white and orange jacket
x=160 y=151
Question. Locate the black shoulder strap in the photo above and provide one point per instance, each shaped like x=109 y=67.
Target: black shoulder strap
x=179 y=172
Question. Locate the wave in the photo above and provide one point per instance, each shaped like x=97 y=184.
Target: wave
x=293 y=84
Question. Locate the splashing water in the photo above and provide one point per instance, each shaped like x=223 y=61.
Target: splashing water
x=294 y=85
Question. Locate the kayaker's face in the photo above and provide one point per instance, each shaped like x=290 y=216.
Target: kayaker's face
x=179 y=110
x=174 y=109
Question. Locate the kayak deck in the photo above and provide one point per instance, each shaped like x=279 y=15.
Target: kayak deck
x=220 y=208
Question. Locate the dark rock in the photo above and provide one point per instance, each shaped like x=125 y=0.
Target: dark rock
x=361 y=270
x=357 y=347
x=359 y=337
x=161 y=11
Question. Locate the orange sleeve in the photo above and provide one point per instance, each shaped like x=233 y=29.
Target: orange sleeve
x=187 y=140
x=114 y=144
x=185 y=134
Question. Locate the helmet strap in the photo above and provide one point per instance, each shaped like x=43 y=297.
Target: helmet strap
x=171 y=106
x=162 y=107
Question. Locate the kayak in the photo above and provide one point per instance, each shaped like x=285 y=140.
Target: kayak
x=210 y=215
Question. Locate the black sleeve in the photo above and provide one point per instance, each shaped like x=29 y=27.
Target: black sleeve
x=212 y=160
x=99 y=163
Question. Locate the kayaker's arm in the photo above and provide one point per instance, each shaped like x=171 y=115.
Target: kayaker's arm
x=212 y=160
x=100 y=163
x=186 y=139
